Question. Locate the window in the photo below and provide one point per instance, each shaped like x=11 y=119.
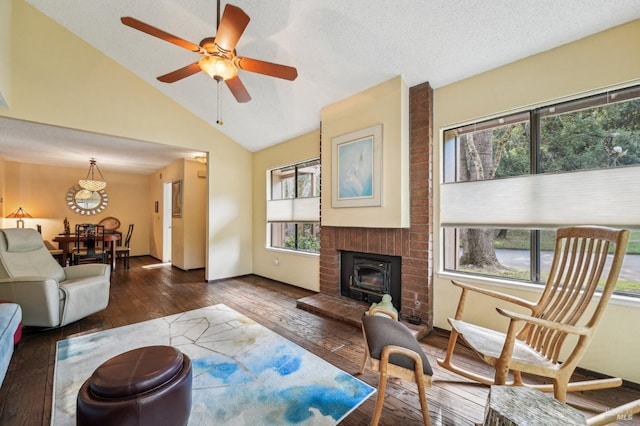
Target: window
x=293 y=211
x=510 y=181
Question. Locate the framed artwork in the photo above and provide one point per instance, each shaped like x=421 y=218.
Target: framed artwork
x=176 y=198
x=356 y=166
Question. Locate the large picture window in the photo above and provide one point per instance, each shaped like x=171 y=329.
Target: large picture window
x=293 y=210
x=510 y=181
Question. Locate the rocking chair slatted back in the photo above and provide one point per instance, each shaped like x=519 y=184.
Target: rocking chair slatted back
x=577 y=268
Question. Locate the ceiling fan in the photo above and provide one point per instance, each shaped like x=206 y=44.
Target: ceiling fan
x=218 y=54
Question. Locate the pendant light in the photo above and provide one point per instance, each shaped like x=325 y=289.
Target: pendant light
x=90 y=183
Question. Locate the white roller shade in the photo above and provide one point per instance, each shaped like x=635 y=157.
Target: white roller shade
x=606 y=196
x=294 y=210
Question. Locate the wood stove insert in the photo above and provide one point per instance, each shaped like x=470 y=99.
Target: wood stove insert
x=367 y=277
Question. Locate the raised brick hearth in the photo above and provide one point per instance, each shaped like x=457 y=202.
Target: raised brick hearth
x=414 y=244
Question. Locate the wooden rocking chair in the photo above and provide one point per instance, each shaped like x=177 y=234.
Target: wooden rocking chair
x=533 y=343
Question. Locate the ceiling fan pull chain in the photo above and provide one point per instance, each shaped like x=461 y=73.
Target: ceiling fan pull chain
x=219 y=119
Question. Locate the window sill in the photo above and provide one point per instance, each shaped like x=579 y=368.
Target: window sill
x=294 y=252
x=616 y=299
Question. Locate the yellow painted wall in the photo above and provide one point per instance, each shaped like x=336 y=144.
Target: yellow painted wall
x=386 y=103
x=5 y=53
x=606 y=59
x=3 y=175
x=83 y=89
x=194 y=215
x=41 y=191
x=230 y=213
x=302 y=270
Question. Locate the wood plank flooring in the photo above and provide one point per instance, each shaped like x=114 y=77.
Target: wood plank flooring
x=151 y=290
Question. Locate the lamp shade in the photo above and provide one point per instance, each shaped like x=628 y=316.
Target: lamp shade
x=19 y=214
x=218 y=67
x=92 y=185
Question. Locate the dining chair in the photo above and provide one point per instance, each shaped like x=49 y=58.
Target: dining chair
x=56 y=252
x=90 y=244
x=551 y=340
x=111 y=224
x=123 y=251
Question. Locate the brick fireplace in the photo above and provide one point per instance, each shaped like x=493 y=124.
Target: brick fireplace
x=413 y=244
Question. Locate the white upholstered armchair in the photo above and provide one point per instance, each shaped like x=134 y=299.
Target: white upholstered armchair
x=49 y=295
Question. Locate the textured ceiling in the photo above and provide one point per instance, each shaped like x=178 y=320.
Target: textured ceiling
x=35 y=143
x=340 y=47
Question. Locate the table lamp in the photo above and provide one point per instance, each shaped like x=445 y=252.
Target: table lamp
x=19 y=214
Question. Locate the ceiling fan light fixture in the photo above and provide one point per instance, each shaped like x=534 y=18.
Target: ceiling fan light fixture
x=219 y=59
x=218 y=67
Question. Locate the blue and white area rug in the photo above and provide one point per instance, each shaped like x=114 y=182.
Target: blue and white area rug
x=243 y=373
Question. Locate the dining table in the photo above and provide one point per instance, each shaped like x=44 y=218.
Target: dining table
x=64 y=240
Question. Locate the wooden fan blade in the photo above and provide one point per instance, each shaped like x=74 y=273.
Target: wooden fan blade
x=163 y=35
x=232 y=25
x=267 y=68
x=179 y=74
x=238 y=90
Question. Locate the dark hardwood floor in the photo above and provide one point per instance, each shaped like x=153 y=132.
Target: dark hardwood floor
x=151 y=290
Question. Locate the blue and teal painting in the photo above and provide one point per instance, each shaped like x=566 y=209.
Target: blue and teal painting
x=355 y=169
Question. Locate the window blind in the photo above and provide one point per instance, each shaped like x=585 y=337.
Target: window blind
x=294 y=210
x=602 y=197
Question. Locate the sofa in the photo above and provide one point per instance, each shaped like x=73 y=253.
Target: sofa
x=48 y=294
x=10 y=333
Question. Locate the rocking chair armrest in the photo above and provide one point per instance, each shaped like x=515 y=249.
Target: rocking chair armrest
x=553 y=325
x=496 y=294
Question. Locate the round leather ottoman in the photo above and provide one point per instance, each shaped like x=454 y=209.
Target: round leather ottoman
x=145 y=386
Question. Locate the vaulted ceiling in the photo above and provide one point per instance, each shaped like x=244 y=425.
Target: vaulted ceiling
x=339 y=47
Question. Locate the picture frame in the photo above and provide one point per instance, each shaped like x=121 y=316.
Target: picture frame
x=356 y=168
x=176 y=198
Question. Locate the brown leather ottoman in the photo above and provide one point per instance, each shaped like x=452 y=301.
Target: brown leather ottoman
x=145 y=386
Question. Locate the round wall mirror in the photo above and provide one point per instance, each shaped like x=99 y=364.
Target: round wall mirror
x=86 y=202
